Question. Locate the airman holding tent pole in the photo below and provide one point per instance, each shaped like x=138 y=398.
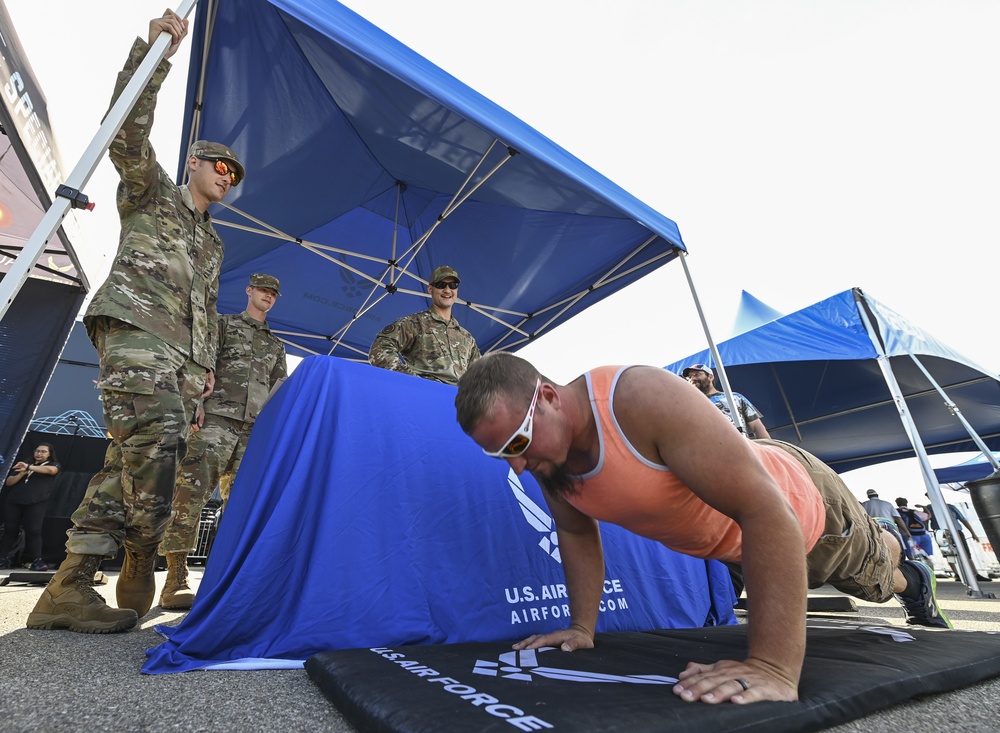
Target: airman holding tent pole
x=154 y=324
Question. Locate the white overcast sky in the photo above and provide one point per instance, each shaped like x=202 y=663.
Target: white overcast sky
x=803 y=148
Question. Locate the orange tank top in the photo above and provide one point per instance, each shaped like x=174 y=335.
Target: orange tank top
x=648 y=499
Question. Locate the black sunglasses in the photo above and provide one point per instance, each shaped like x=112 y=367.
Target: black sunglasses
x=441 y=285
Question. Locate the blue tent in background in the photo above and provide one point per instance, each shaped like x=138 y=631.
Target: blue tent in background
x=752 y=312
x=817 y=377
x=978 y=467
x=368 y=166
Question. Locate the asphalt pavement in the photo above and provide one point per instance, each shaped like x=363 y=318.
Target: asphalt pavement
x=55 y=681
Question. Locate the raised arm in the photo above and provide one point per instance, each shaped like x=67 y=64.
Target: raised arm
x=130 y=150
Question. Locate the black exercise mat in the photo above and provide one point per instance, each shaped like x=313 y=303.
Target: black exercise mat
x=624 y=683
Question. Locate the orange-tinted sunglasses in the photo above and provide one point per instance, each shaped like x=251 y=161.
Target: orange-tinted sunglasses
x=224 y=169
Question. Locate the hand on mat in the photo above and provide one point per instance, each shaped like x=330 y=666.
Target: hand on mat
x=566 y=639
x=720 y=682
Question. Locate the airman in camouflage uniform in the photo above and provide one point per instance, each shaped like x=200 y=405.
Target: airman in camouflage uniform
x=429 y=344
x=154 y=324
x=250 y=362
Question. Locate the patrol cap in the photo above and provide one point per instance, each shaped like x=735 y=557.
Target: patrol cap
x=212 y=151
x=440 y=273
x=260 y=280
x=697 y=368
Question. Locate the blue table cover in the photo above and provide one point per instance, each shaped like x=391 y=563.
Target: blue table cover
x=362 y=516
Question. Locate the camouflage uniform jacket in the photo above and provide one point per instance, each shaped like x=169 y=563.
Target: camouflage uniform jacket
x=430 y=346
x=165 y=277
x=251 y=359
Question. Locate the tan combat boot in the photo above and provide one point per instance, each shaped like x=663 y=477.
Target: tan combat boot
x=177 y=594
x=69 y=601
x=136 y=584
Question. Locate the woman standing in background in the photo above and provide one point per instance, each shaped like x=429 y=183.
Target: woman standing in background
x=30 y=486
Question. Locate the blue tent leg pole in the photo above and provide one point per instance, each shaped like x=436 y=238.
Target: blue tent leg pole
x=961 y=418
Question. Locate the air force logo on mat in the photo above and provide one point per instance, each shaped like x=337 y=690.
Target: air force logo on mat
x=624 y=683
x=523 y=664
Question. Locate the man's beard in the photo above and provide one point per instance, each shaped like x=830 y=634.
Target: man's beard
x=559 y=481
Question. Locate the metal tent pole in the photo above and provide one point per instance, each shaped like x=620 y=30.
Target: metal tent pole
x=958 y=414
x=719 y=366
x=199 y=97
x=941 y=510
x=69 y=195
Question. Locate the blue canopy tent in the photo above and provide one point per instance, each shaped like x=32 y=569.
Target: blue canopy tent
x=855 y=383
x=817 y=376
x=974 y=468
x=368 y=166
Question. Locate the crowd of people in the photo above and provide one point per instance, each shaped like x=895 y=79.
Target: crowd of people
x=182 y=387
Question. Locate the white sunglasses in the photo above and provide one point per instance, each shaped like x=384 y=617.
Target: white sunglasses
x=521 y=438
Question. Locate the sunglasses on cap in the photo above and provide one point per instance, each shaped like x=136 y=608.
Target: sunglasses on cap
x=225 y=169
x=441 y=285
x=521 y=438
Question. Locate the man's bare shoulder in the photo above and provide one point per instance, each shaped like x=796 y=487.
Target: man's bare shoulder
x=651 y=404
x=645 y=383
x=660 y=405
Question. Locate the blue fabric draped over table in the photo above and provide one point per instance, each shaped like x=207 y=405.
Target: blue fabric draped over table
x=363 y=516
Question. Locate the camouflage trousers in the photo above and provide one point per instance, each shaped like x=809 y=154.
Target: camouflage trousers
x=149 y=390
x=213 y=457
